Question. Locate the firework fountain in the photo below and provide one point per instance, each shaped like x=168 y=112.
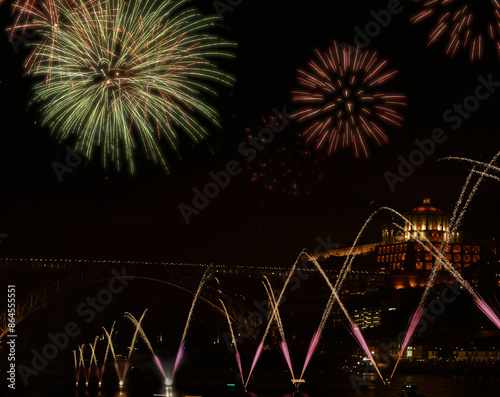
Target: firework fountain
x=482 y=170
x=178 y=358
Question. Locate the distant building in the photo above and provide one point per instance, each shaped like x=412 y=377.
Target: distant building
x=367 y=317
x=477 y=355
x=406 y=262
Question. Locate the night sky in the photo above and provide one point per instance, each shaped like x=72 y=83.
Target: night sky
x=101 y=214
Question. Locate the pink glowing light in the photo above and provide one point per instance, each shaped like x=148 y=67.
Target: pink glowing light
x=178 y=358
x=415 y=319
x=312 y=348
x=491 y=313
x=255 y=359
x=362 y=342
x=286 y=353
x=238 y=361
x=158 y=364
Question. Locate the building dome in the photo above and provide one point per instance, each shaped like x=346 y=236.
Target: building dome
x=429 y=222
x=427 y=208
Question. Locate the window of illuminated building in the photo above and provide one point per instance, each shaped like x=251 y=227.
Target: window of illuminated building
x=379 y=250
x=405 y=247
x=456 y=249
x=434 y=225
x=456 y=258
x=428 y=256
x=475 y=249
x=418 y=247
x=475 y=258
x=428 y=265
x=418 y=257
x=418 y=266
x=378 y=259
x=466 y=258
x=403 y=256
x=419 y=225
x=447 y=248
x=466 y=265
x=457 y=265
x=466 y=249
x=447 y=257
x=392 y=249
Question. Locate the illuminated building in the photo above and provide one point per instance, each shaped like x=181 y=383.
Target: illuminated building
x=424 y=221
x=407 y=261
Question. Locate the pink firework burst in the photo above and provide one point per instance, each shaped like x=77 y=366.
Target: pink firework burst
x=284 y=163
x=341 y=100
x=465 y=24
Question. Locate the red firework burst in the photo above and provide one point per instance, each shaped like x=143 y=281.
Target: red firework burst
x=465 y=23
x=284 y=164
x=342 y=104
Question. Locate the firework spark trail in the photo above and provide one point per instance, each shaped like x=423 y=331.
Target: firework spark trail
x=235 y=345
x=496 y=178
x=346 y=268
x=438 y=256
x=339 y=104
x=273 y=315
x=488 y=166
x=456 y=218
x=283 y=343
x=109 y=347
x=140 y=331
x=112 y=348
x=93 y=358
x=77 y=367
x=81 y=348
x=178 y=358
x=136 y=332
x=354 y=327
x=491 y=313
x=204 y=279
x=311 y=349
x=412 y=325
x=116 y=78
x=474 y=162
x=441 y=260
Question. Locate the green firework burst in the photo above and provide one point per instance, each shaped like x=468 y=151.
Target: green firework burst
x=116 y=75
